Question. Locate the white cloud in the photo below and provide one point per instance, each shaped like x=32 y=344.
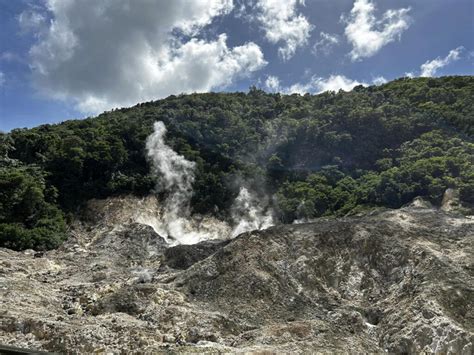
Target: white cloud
x=318 y=85
x=367 y=34
x=2 y=79
x=379 y=80
x=334 y=83
x=117 y=53
x=430 y=67
x=30 y=20
x=283 y=24
x=326 y=43
x=314 y=86
x=272 y=84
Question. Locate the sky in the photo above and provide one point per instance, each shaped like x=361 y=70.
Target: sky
x=65 y=59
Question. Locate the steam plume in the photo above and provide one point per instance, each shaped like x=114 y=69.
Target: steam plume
x=175 y=176
x=250 y=212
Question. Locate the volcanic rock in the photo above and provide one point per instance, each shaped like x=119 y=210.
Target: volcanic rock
x=398 y=281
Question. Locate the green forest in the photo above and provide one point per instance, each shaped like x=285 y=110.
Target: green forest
x=318 y=155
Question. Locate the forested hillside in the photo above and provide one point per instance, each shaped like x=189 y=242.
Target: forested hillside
x=316 y=155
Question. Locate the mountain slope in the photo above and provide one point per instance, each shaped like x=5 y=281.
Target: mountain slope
x=311 y=155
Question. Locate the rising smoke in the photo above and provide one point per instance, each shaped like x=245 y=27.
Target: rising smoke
x=175 y=176
x=250 y=212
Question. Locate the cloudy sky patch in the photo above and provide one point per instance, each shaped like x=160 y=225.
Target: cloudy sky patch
x=69 y=59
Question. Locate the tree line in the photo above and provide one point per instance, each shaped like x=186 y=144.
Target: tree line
x=318 y=155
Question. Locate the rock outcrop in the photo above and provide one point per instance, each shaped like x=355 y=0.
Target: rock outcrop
x=397 y=280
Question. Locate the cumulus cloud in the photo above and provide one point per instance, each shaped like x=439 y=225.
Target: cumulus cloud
x=314 y=86
x=367 y=34
x=325 y=44
x=282 y=23
x=430 y=67
x=117 y=53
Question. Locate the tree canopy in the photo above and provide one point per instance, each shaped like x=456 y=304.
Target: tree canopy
x=319 y=155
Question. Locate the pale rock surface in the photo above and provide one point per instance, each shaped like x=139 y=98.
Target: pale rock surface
x=398 y=281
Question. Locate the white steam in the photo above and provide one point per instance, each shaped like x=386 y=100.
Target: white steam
x=143 y=275
x=175 y=176
x=250 y=213
x=175 y=172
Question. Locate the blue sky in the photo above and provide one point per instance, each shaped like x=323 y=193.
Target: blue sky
x=71 y=59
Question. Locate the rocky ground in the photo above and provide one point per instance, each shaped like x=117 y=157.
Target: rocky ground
x=397 y=280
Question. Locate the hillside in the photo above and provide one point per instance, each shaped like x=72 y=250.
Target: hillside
x=306 y=156
x=396 y=281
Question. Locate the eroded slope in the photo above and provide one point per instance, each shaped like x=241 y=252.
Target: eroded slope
x=398 y=281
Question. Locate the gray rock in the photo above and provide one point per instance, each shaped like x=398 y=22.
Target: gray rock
x=183 y=256
x=395 y=280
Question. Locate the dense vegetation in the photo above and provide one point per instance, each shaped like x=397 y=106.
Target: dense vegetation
x=29 y=217
x=318 y=155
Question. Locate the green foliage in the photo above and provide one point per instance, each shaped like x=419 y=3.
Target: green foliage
x=319 y=154
x=426 y=166
x=28 y=216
